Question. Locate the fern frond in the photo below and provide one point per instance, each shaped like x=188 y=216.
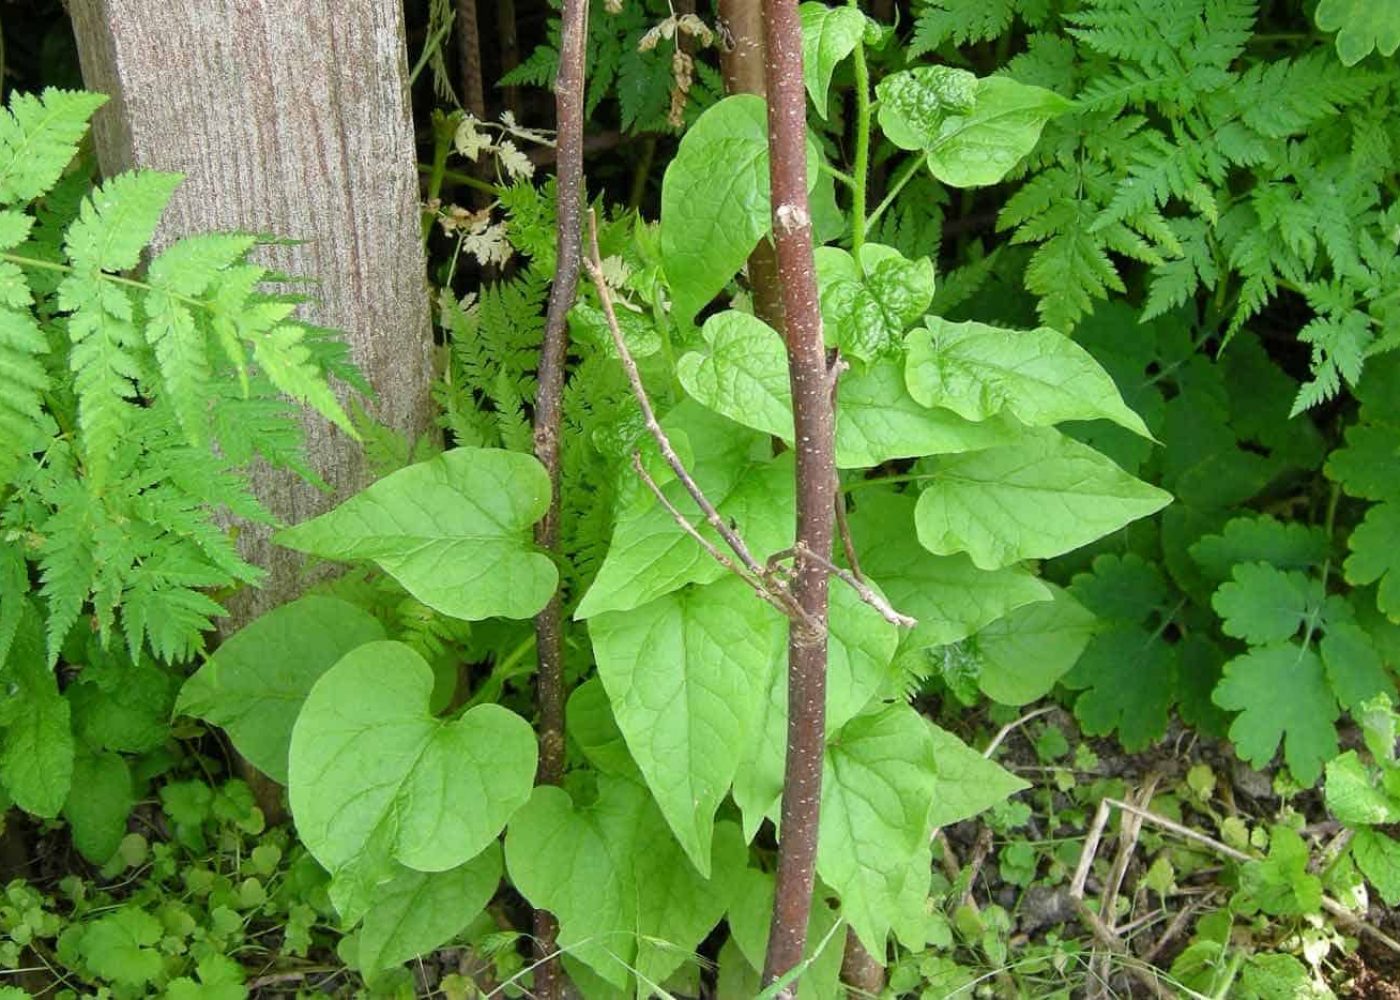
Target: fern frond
x=38 y=137
x=962 y=22
x=23 y=377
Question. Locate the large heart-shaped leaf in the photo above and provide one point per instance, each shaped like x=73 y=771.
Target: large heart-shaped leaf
x=743 y=374
x=376 y=779
x=651 y=554
x=454 y=530
x=420 y=911
x=1040 y=377
x=714 y=199
x=683 y=674
x=860 y=650
x=1022 y=655
x=829 y=35
x=627 y=898
x=950 y=597
x=254 y=684
x=1045 y=495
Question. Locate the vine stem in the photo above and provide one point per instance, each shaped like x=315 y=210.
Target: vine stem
x=860 y=172
x=816 y=492
x=549 y=400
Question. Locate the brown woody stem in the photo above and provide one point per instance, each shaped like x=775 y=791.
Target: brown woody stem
x=814 y=446
x=549 y=623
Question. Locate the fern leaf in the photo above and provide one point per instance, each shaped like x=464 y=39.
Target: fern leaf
x=959 y=21
x=117 y=222
x=66 y=564
x=104 y=365
x=38 y=137
x=23 y=378
x=287 y=362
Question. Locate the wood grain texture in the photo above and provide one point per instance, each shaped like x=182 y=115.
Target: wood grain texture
x=288 y=118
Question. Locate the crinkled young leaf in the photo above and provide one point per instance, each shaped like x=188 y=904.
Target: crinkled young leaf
x=714 y=199
x=860 y=649
x=1129 y=680
x=99 y=804
x=376 y=779
x=744 y=376
x=866 y=307
x=652 y=555
x=829 y=35
x=420 y=911
x=1023 y=654
x=255 y=682
x=1039 y=376
x=1261 y=604
x=1378 y=857
x=1042 y=496
x=454 y=530
x=983 y=145
x=1282 y=695
x=683 y=673
x=950 y=597
x=1281 y=883
x=967 y=782
x=878 y=784
x=626 y=895
x=914 y=103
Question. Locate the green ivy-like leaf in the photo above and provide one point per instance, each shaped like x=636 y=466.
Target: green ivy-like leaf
x=121 y=946
x=256 y=681
x=420 y=911
x=1281 y=694
x=626 y=895
x=651 y=555
x=1040 y=376
x=1353 y=665
x=1042 y=496
x=683 y=673
x=860 y=650
x=714 y=199
x=829 y=35
x=454 y=530
x=966 y=783
x=375 y=778
x=36 y=756
x=99 y=804
x=928 y=109
x=1022 y=655
x=744 y=376
x=950 y=597
x=750 y=916
x=878 y=784
x=867 y=305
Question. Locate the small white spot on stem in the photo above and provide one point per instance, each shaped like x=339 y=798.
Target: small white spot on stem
x=792 y=217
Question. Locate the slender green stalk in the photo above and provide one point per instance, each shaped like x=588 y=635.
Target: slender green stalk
x=860 y=173
x=906 y=174
x=457 y=177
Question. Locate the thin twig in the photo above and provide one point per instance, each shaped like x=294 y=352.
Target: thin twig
x=1011 y=727
x=862 y=589
x=1110 y=940
x=593 y=263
